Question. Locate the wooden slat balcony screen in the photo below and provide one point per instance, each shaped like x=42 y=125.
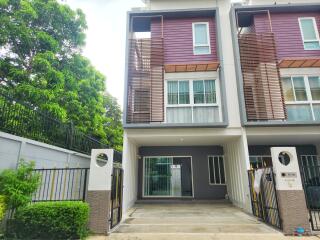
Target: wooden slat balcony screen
x=261 y=78
x=145 y=81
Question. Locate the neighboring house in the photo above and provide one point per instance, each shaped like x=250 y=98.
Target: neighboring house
x=210 y=86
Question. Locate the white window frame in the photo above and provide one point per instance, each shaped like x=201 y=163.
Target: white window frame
x=224 y=170
x=309 y=100
x=315 y=28
x=201 y=45
x=191 y=78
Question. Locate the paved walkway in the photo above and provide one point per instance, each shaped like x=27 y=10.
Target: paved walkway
x=192 y=221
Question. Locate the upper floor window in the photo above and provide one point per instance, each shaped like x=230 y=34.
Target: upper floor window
x=310 y=34
x=204 y=91
x=201 y=38
x=302 y=97
x=192 y=101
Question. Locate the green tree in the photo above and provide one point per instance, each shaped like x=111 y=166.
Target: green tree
x=113 y=124
x=41 y=63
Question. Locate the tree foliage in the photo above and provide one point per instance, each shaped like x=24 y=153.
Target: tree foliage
x=41 y=63
x=113 y=127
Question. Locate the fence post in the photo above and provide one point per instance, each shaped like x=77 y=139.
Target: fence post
x=70 y=134
x=85 y=185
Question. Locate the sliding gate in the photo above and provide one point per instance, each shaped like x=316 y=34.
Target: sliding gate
x=264 y=203
x=310 y=175
x=116 y=196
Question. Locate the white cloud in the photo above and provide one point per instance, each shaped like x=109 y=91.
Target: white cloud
x=105 y=42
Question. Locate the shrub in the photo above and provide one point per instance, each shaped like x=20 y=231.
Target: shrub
x=52 y=220
x=18 y=185
x=2 y=207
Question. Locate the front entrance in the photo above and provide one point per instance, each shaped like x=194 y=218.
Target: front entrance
x=167 y=177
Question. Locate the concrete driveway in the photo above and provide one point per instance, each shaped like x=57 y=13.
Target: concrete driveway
x=192 y=221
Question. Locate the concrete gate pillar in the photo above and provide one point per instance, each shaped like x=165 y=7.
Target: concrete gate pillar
x=99 y=190
x=291 y=199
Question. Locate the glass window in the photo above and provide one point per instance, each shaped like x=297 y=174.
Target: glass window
x=210 y=91
x=204 y=91
x=198 y=92
x=172 y=92
x=314 y=83
x=299 y=112
x=205 y=114
x=192 y=106
x=184 y=92
x=299 y=89
x=316 y=111
x=216 y=170
x=178 y=92
x=302 y=96
x=179 y=115
x=309 y=33
x=200 y=36
x=167 y=176
x=287 y=89
x=201 y=40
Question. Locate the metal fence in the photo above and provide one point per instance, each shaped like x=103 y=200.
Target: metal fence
x=265 y=203
x=62 y=184
x=116 y=196
x=310 y=174
x=28 y=121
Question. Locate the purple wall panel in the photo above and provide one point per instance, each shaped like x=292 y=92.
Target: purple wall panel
x=287 y=33
x=178 y=42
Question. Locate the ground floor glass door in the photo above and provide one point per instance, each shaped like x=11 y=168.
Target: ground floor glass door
x=167 y=177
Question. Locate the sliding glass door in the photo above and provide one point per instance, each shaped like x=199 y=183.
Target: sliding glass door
x=167 y=177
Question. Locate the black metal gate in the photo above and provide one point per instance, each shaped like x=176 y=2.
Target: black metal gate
x=310 y=175
x=265 y=204
x=116 y=196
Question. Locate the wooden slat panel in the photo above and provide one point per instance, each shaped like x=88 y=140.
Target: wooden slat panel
x=299 y=62
x=145 y=81
x=261 y=78
x=192 y=67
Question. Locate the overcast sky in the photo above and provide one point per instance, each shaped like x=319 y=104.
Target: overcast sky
x=105 y=42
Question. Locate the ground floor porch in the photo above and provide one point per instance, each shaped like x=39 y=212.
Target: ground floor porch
x=205 y=164
x=192 y=220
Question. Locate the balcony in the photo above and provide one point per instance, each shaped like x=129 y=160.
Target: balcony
x=280 y=78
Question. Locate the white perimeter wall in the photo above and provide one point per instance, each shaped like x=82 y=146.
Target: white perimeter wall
x=130 y=168
x=236 y=164
x=13 y=148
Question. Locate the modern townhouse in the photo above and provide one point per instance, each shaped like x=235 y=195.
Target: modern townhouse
x=210 y=87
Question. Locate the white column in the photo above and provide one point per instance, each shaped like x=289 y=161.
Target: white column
x=237 y=164
x=130 y=170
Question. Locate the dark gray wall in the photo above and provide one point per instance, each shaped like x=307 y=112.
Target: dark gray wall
x=202 y=188
x=265 y=149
